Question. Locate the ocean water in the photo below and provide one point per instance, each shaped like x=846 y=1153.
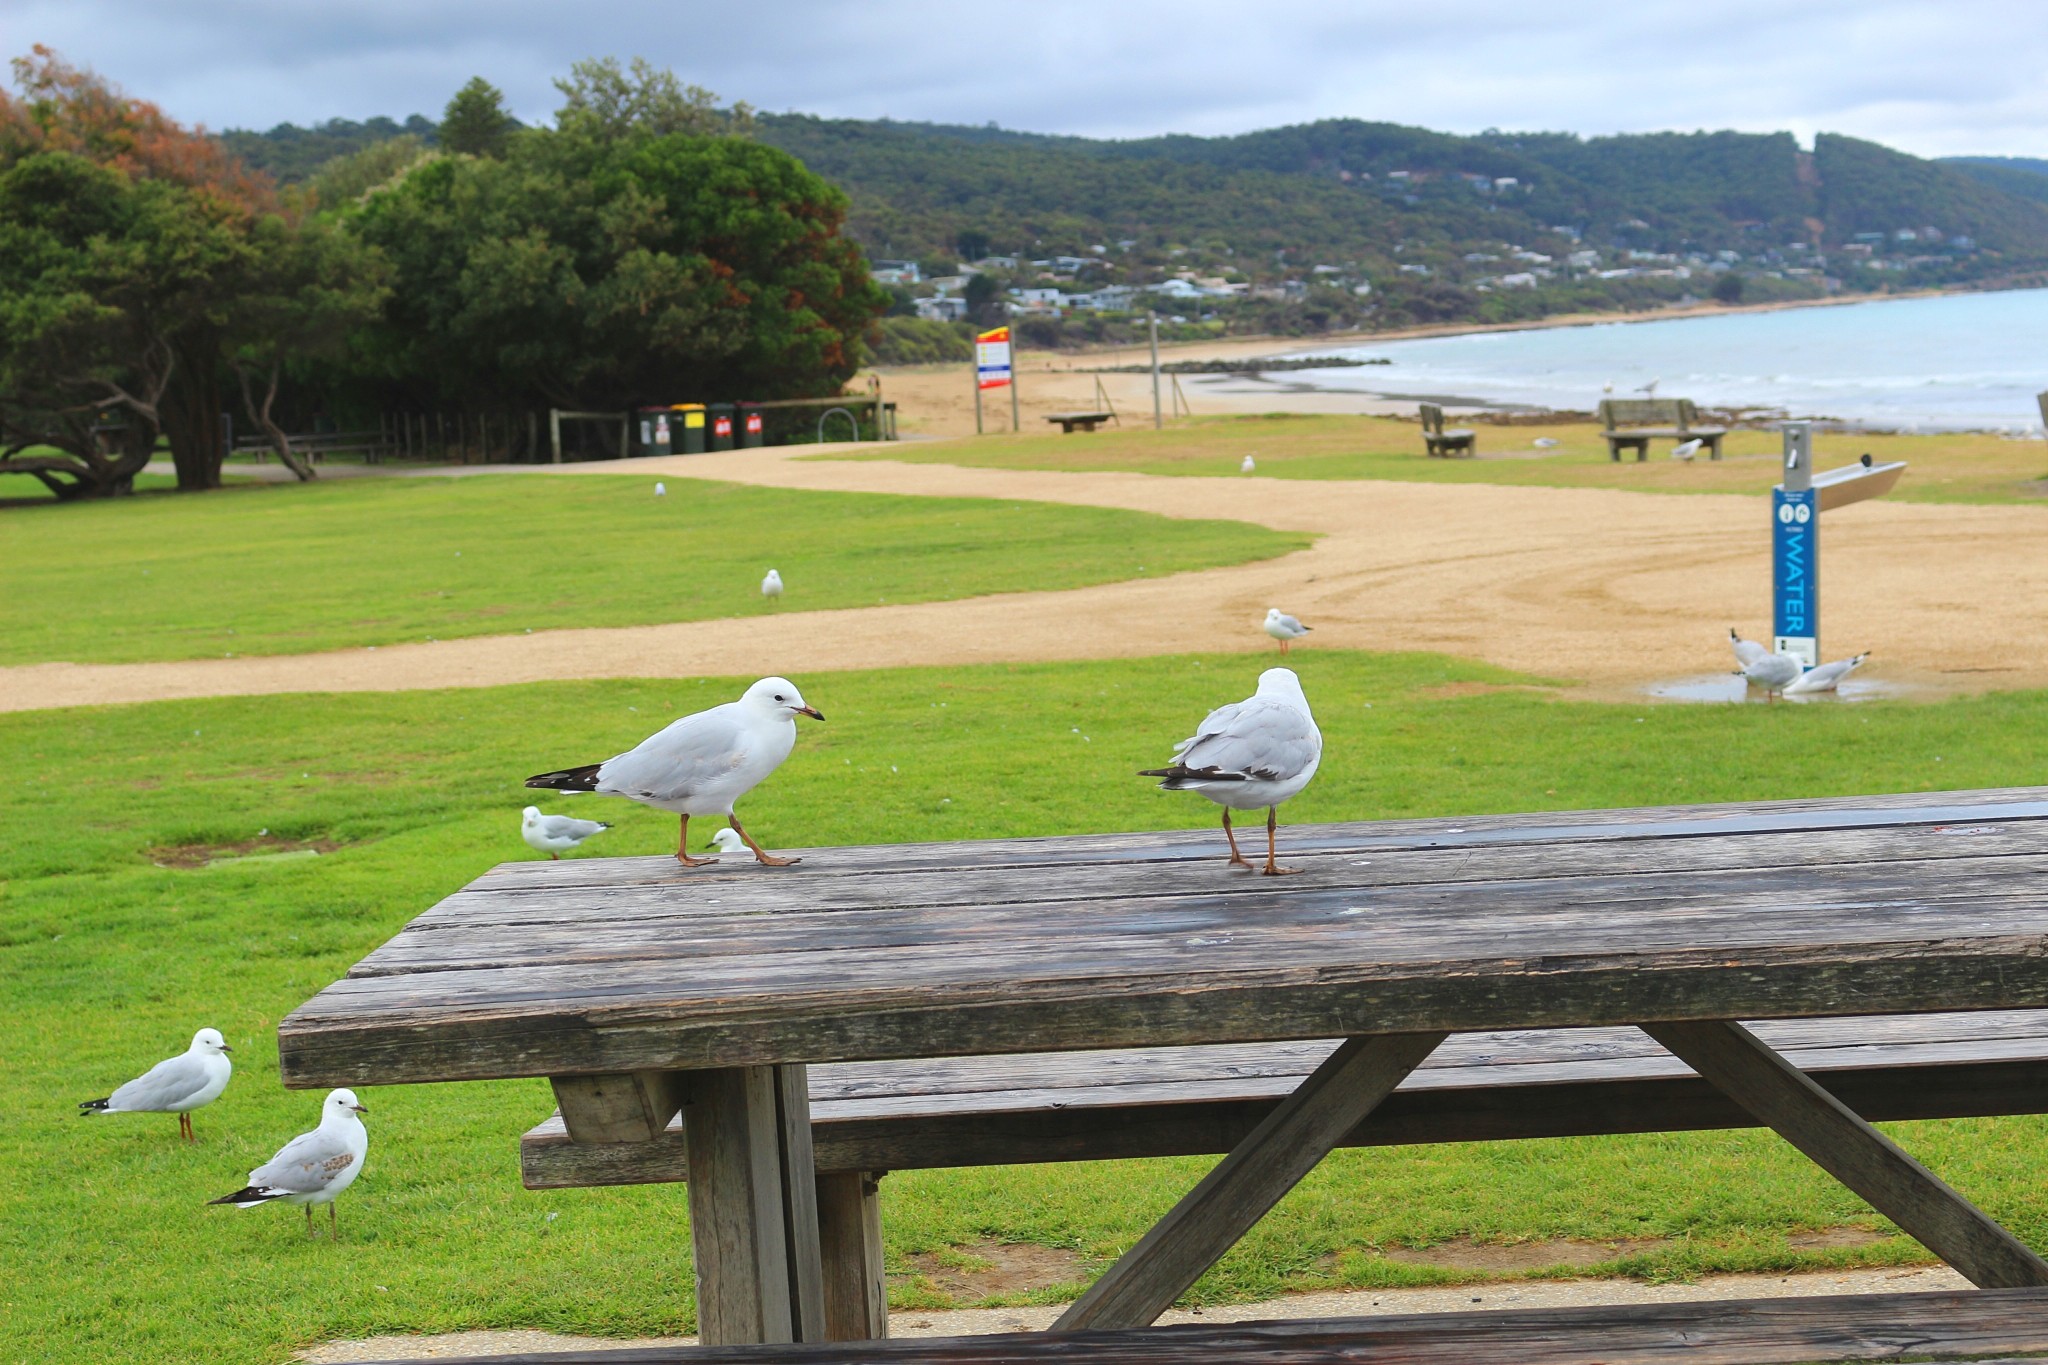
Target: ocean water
x=1960 y=362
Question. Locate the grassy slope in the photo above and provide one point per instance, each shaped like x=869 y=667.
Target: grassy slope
x=1949 y=468
x=108 y=961
x=289 y=569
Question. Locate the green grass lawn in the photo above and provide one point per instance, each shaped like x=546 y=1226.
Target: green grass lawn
x=109 y=961
x=1949 y=468
x=288 y=569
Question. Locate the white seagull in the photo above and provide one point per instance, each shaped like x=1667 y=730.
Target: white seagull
x=555 y=835
x=1252 y=753
x=1685 y=450
x=313 y=1168
x=1825 y=677
x=1773 y=673
x=725 y=841
x=771 y=586
x=1545 y=443
x=1747 y=652
x=1248 y=466
x=660 y=490
x=191 y=1080
x=1649 y=390
x=1283 y=627
x=701 y=764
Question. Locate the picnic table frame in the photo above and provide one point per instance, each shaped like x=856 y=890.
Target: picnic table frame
x=641 y=988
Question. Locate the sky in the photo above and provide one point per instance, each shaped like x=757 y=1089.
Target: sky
x=1958 y=77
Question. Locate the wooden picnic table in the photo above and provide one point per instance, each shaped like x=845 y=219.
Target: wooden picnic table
x=641 y=988
x=1087 y=421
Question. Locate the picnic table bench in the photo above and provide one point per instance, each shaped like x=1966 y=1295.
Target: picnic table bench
x=1087 y=421
x=1438 y=442
x=1632 y=423
x=1182 y=995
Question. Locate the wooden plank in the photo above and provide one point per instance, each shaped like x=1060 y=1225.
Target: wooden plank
x=633 y=1107
x=800 y=1203
x=1242 y=1187
x=738 y=1245
x=1968 y=1325
x=1853 y=1152
x=850 y=1233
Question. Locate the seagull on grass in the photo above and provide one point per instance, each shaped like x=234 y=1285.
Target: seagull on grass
x=1248 y=465
x=555 y=835
x=702 y=764
x=1825 y=677
x=771 y=586
x=1685 y=450
x=660 y=490
x=1284 y=628
x=191 y=1080
x=313 y=1168
x=1252 y=753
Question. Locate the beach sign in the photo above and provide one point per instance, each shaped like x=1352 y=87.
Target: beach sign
x=1795 y=551
x=992 y=359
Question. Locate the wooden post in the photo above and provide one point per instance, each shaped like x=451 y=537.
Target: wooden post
x=1242 y=1187
x=1157 y=420
x=532 y=451
x=1014 y=421
x=555 y=433
x=1743 y=1068
x=737 y=1238
x=975 y=370
x=850 y=1239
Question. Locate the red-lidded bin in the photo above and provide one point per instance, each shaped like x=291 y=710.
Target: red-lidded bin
x=720 y=418
x=752 y=430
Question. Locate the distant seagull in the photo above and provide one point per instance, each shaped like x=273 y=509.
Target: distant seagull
x=1283 y=627
x=660 y=490
x=1825 y=677
x=771 y=586
x=1248 y=465
x=725 y=841
x=1545 y=442
x=1747 y=652
x=555 y=835
x=1251 y=753
x=191 y=1080
x=1685 y=450
x=701 y=764
x=313 y=1168
x=1649 y=390
x=1608 y=387
x=1773 y=673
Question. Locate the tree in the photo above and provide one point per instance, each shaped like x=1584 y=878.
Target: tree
x=605 y=102
x=983 y=297
x=1728 y=288
x=973 y=244
x=476 y=122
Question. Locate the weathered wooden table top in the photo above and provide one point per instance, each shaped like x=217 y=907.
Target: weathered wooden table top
x=1863 y=905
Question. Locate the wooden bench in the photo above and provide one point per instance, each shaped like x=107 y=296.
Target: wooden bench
x=1087 y=421
x=2007 y=1324
x=1632 y=423
x=1437 y=441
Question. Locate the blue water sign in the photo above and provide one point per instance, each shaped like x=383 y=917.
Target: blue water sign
x=1795 y=572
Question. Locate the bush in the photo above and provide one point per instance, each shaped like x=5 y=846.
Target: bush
x=919 y=341
x=1728 y=288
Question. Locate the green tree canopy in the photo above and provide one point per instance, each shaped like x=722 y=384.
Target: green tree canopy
x=476 y=121
x=606 y=101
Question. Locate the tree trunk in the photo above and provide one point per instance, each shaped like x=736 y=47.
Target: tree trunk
x=260 y=415
x=191 y=412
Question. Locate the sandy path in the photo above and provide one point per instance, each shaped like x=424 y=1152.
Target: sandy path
x=1614 y=589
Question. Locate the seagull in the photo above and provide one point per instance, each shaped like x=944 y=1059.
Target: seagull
x=1747 y=652
x=1252 y=753
x=1685 y=450
x=1773 y=672
x=703 y=763
x=660 y=490
x=313 y=1168
x=555 y=835
x=191 y=1080
x=1608 y=387
x=1826 y=677
x=1545 y=442
x=771 y=586
x=1649 y=390
x=1248 y=466
x=1283 y=627
x=725 y=841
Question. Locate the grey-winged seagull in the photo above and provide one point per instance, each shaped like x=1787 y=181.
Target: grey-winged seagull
x=313 y=1168
x=771 y=586
x=191 y=1080
x=1747 y=652
x=701 y=764
x=1825 y=677
x=555 y=835
x=1251 y=753
x=1283 y=627
x=1773 y=673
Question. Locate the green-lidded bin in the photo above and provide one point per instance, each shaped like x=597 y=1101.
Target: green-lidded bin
x=751 y=426
x=691 y=416
x=721 y=415
x=654 y=431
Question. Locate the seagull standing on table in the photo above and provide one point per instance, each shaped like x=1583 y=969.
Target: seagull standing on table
x=702 y=764
x=1283 y=627
x=1252 y=753
x=313 y=1168
x=771 y=586
x=191 y=1080
x=555 y=835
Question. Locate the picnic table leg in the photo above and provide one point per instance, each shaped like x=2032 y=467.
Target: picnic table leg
x=1738 y=1064
x=1242 y=1187
x=755 y=1248
x=850 y=1234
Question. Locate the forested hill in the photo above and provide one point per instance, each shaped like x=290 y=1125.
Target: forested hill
x=1354 y=190
x=2025 y=176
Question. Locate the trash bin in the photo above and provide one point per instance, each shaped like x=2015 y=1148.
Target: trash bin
x=691 y=415
x=654 y=431
x=721 y=426
x=751 y=433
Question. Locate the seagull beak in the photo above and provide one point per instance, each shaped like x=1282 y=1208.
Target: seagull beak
x=360 y=1109
x=813 y=712
x=225 y=1048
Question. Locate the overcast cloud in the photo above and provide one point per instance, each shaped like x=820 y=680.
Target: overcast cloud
x=1935 y=79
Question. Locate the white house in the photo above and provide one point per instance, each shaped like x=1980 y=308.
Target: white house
x=944 y=308
x=894 y=272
